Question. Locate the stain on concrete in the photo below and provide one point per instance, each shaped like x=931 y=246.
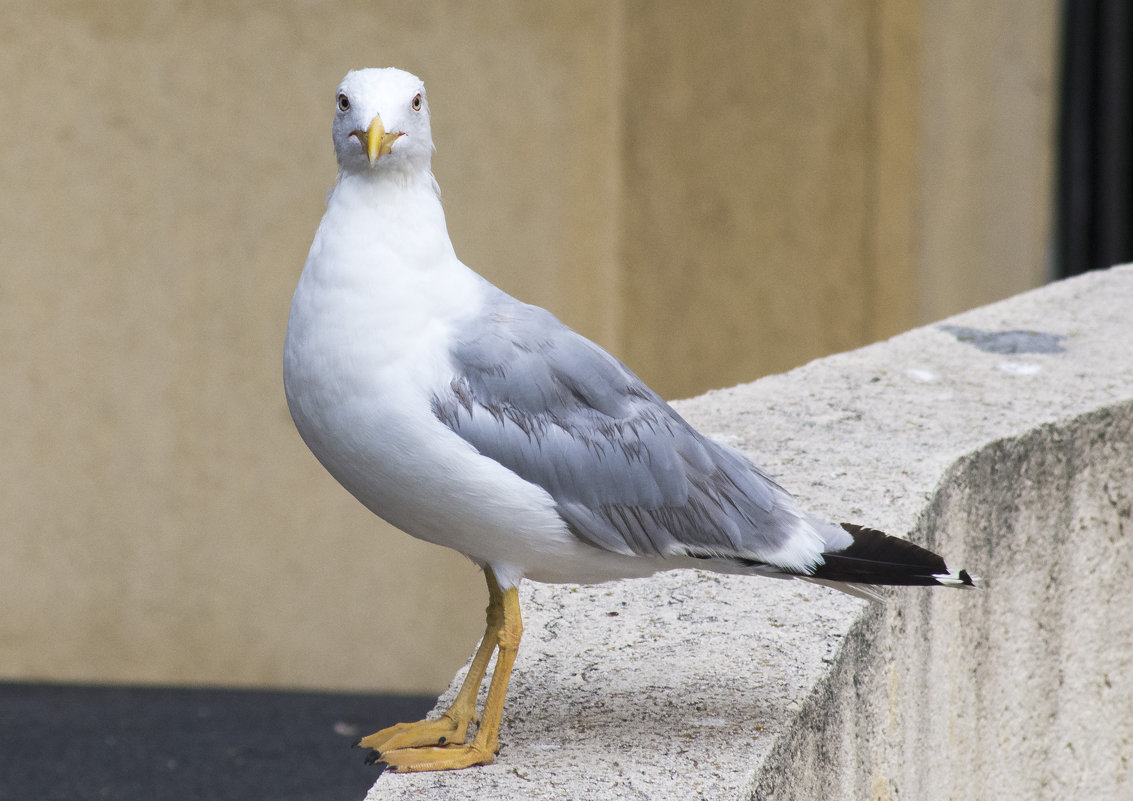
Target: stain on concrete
x=1007 y=341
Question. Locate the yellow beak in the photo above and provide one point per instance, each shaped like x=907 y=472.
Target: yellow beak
x=375 y=141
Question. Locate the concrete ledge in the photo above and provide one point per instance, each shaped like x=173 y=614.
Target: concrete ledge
x=1012 y=454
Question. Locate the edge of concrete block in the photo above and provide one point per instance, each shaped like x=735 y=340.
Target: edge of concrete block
x=1002 y=438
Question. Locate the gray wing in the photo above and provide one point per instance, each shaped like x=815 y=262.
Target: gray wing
x=627 y=473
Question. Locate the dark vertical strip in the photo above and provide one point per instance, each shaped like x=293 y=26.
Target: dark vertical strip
x=1095 y=181
x=1115 y=134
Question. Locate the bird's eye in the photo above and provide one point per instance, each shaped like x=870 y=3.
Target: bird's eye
x=343 y=103
x=417 y=102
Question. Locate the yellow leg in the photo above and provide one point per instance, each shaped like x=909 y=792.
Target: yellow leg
x=439 y=744
x=452 y=725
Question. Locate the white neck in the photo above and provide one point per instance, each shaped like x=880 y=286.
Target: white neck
x=384 y=243
x=395 y=218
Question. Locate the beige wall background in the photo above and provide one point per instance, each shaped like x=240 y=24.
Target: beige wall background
x=714 y=191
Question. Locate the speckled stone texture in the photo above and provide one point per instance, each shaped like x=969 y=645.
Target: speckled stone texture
x=1002 y=438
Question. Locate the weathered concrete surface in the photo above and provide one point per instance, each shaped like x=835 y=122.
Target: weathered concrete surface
x=1009 y=452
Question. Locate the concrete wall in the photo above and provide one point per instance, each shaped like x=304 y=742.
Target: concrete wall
x=714 y=191
x=1012 y=455
x=1025 y=693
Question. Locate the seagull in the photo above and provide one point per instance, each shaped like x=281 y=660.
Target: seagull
x=470 y=419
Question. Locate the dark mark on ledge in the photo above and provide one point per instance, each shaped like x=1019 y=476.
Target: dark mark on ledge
x=1007 y=341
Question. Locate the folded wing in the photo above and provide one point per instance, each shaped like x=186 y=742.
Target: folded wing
x=627 y=473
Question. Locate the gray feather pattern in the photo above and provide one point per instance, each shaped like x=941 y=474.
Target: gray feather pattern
x=627 y=473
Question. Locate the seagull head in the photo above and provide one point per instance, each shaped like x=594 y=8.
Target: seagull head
x=381 y=122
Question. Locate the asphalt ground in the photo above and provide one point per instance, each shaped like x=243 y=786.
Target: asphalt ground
x=74 y=743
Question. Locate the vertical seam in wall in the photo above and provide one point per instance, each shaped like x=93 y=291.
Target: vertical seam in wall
x=869 y=249
x=617 y=284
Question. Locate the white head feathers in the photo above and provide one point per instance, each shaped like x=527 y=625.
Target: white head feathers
x=387 y=103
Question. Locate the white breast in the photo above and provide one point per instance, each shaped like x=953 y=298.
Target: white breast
x=367 y=347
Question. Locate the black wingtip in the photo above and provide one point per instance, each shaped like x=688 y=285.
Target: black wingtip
x=877 y=558
x=962 y=579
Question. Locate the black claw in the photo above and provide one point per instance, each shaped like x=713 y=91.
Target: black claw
x=357 y=743
x=373 y=758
